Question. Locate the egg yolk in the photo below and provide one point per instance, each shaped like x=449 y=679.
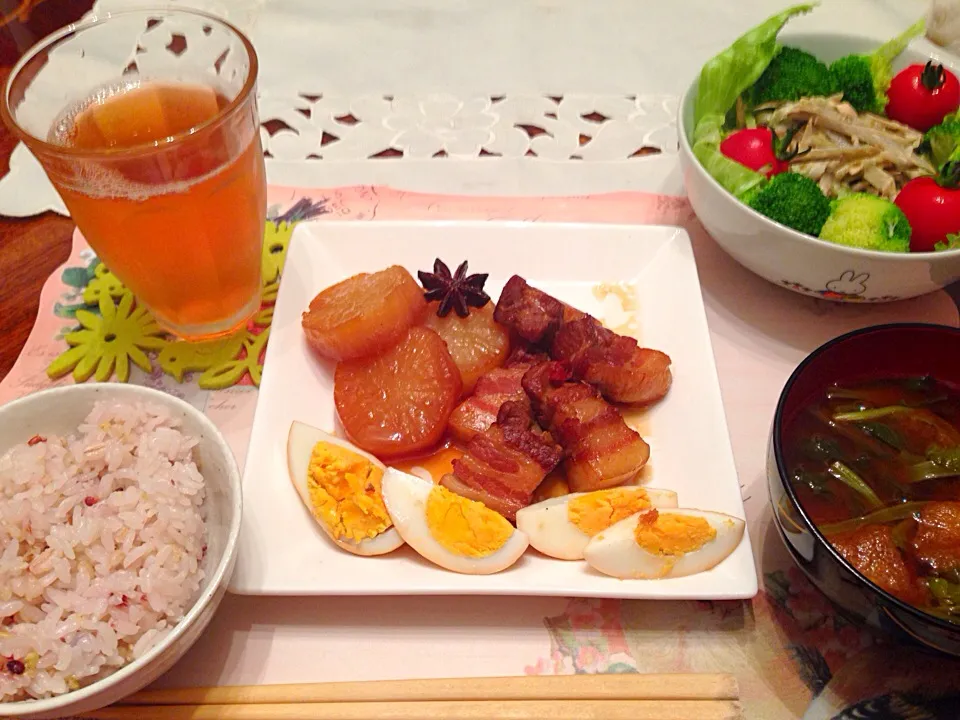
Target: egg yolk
x=345 y=493
x=465 y=527
x=598 y=510
x=672 y=534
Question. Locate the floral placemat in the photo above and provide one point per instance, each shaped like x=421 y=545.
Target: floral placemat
x=115 y=332
x=793 y=655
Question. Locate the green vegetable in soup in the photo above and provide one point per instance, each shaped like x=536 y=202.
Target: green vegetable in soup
x=947 y=458
x=820 y=448
x=851 y=432
x=865 y=221
x=883 y=433
x=848 y=477
x=864 y=79
x=815 y=482
x=870 y=413
x=945 y=591
x=928 y=471
x=722 y=80
x=926 y=430
x=791 y=75
x=940 y=463
x=901 y=533
x=893 y=513
x=952 y=576
x=793 y=200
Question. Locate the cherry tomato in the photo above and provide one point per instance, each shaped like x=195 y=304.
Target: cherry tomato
x=922 y=95
x=933 y=211
x=755 y=148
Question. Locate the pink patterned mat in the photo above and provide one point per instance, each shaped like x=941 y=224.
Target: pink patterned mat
x=785 y=647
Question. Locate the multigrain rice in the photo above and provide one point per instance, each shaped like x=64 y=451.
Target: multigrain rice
x=101 y=541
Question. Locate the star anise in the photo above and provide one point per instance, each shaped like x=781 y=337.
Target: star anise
x=457 y=292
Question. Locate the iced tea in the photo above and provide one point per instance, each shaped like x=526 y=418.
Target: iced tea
x=146 y=123
x=176 y=228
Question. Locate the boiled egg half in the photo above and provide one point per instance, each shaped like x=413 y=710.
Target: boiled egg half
x=657 y=543
x=341 y=487
x=453 y=532
x=562 y=526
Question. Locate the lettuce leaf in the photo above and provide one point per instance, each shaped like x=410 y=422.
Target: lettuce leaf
x=881 y=59
x=722 y=80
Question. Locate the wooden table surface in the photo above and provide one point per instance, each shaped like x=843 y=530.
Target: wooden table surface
x=30 y=248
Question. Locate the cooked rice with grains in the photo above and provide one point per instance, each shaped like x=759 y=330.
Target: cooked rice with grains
x=102 y=539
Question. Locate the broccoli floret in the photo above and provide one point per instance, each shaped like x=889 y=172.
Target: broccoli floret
x=942 y=142
x=864 y=79
x=852 y=75
x=793 y=200
x=791 y=75
x=868 y=222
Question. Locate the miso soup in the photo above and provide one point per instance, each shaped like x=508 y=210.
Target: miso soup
x=876 y=466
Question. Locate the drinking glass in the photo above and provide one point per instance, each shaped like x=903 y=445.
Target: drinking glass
x=146 y=123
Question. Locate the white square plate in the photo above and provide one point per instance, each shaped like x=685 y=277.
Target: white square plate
x=282 y=552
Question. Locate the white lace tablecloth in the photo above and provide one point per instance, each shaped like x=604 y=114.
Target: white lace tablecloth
x=491 y=97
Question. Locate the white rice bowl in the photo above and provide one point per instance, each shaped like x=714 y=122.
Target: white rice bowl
x=102 y=537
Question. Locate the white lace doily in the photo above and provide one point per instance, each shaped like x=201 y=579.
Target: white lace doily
x=588 y=128
x=340 y=136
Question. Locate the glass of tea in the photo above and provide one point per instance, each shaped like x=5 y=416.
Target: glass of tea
x=146 y=123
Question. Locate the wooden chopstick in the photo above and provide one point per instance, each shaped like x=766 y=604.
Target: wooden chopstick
x=633 y=686
x=564 y=697
x=438 y=710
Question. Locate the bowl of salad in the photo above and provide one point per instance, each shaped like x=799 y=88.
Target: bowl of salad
x=829 y=164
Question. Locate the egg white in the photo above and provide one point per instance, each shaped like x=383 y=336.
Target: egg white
x=300 y=443
x=548 y=526
x=406 y=496
x=615 y=550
